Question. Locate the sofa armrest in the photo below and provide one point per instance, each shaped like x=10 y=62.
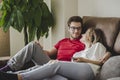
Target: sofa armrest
x=3 y=60
x=111 y=68
x=115 y=78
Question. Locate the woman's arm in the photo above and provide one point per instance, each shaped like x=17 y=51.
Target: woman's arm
x=81 y=59
x=100 y=62
x=105 y=57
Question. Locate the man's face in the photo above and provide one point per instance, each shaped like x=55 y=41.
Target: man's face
x=75 y=29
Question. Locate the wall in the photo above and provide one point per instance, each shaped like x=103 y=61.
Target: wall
x=16 y=41
x=103 y=8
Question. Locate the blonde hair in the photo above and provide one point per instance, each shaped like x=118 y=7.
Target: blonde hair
x=95 y=35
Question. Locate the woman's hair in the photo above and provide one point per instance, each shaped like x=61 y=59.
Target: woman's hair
x=75 y=19
x=95 y=35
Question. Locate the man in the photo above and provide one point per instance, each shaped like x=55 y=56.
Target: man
x=64 y=49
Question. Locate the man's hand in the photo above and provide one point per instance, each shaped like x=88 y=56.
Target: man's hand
x=48 y=52
x=37 y=42
x=53 y=61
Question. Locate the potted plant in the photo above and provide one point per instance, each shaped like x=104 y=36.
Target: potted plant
x=32 y=16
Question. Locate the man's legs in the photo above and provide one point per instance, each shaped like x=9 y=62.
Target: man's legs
x=33 y=52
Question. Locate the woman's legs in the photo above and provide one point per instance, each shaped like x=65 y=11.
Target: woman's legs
x=77 y=71
x=32 y=51
x=11 y=76
x=56 y=77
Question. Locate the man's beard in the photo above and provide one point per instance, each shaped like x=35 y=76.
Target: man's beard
x=75 y=37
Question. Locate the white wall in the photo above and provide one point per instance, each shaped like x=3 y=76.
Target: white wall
x=16 y=41
x=108 y=8
x=47 y=40
x=103 y=8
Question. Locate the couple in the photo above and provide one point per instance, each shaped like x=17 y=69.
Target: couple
x=65 y=49
x=84 y=65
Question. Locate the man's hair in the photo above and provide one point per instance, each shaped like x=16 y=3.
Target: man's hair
x=75 y=19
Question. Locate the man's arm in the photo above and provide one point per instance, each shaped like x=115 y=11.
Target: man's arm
x=51 y=52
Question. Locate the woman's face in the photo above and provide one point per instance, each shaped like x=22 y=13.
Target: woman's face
x=86 y=36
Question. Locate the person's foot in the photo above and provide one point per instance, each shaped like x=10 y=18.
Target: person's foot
x=5 y=68
x=8 y=76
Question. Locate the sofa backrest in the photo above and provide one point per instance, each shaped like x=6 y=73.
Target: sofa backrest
x=110 y=26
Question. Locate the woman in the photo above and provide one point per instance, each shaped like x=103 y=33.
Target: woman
x=84 y=65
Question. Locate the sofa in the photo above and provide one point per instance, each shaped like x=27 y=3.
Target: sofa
x=110 y=26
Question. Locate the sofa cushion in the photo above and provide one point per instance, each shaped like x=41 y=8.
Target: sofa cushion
x=117 y=44
x=3 y=60
x=111 y=68
x=116 y=78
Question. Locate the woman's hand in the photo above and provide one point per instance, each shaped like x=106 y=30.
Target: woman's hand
x=79 y=59
x=105 y=57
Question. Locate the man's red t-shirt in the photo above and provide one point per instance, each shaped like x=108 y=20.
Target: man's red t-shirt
x=66 y=48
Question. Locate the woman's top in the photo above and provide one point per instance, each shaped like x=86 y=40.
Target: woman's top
x=95 y=52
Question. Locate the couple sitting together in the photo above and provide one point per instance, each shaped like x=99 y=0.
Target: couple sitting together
x=78 y=57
